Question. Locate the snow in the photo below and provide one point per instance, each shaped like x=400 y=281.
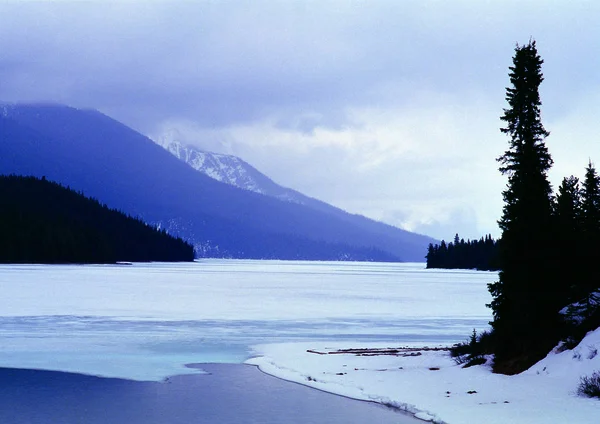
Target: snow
x=228 y=169
x=437 y=389
x=224 y=168
x=424 y=416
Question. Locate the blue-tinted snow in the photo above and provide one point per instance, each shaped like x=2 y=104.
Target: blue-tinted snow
x=146 y=321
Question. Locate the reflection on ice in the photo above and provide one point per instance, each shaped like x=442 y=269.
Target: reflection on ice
x=147 y=320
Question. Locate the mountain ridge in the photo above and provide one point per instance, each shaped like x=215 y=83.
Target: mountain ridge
x=241 y=174
x=228 y=169
x=107 y=160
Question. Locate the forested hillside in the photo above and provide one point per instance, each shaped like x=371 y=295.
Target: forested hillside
x=43 y=222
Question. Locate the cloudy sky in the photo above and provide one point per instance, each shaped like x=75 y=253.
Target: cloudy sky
x=386 y=108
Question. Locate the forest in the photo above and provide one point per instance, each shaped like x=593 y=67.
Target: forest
x=548 y=290
x=479 y=254
x=43 y=222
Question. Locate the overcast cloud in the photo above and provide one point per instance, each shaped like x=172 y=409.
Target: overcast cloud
x=386 y=108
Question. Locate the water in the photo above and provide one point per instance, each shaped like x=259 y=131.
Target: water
x=146 y=321
x=228 y=394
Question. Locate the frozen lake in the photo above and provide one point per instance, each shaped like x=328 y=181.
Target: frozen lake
x=145 y=321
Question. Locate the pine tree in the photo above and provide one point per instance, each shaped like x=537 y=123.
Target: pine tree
x=590 y=223
x=590 y=202
x=472 y=254
x=568 y=223
x=523 y=302
x=430 y=257
x=568 y=205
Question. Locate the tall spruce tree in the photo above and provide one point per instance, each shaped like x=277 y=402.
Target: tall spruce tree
x=590 y=223
x=524 y=297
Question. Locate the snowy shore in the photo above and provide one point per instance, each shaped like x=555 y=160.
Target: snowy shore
x=429 y=383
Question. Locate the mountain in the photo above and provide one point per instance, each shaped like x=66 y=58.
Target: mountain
x=235 y=171
x=43 y=222
x=231 y=170
x=104 y=159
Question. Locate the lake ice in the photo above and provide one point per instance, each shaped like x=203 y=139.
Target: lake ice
x=145 y=321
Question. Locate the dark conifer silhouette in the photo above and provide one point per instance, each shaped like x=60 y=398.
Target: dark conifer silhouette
x=568 y=205
x=568 y=232
x=548 y=288
x=590 y=227
x=524 y=301
x=43 y=222
x=479 y=254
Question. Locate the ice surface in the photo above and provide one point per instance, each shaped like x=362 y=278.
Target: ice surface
x=244 y=290
x=145 y=321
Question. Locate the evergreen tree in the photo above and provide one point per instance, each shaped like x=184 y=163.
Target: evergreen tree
x=568 y=220
x=590 y=226
x=431 y=256
x=590 y=202
x=524 y=297
x=568 y=205
x=472 y=254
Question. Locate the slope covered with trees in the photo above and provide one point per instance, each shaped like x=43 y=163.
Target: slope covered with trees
x=43 y=222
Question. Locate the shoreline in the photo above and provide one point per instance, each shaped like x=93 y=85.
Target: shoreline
x=434 y=388
x=392 y=407
x=314 y=383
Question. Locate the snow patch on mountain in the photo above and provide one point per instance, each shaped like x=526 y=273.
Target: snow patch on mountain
x=229 y=169
x=234 y=171
x=225 y=168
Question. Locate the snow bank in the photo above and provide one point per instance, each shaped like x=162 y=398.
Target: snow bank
x=429 y=383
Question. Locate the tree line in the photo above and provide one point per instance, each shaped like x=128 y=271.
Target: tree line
x=549 y=242
x=479 y=254
x=548 y=288
x=43 y=222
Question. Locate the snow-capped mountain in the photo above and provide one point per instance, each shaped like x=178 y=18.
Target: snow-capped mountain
x=225 y=168
x=231 y=170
